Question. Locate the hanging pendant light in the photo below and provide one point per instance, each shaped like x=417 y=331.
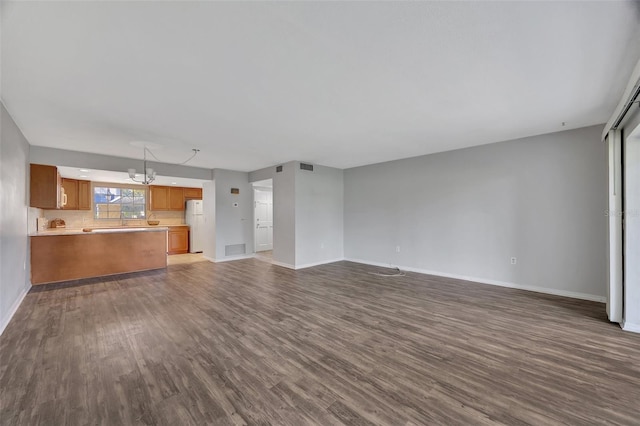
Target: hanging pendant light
x=148 y=175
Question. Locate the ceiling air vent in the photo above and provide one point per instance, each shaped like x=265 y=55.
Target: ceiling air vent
x=278 y=169
x=304 y=166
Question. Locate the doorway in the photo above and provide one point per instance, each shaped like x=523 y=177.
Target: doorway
x=263 y=217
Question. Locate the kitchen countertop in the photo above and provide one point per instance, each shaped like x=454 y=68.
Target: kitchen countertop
x=99 y=230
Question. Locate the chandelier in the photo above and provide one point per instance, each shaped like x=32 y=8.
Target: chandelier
x=148 y=175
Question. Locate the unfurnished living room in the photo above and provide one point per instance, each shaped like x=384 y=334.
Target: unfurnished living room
x=320 y=212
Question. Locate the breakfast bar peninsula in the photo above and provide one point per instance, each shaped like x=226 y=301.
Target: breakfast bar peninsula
x=64 y=254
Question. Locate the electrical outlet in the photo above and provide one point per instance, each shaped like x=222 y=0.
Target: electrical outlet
x=514 y=260
x=397 y=249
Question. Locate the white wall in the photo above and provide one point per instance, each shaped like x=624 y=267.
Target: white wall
x=284 y=230
x=308 y=214
x=14 y=262
x=209 y=213
x=465 y=213
x=319 y=215
x=234 y=225
x=284 y=215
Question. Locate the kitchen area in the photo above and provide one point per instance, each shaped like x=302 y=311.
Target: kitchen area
x=91 y=223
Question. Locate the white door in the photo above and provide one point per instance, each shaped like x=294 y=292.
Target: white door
x=263 y=200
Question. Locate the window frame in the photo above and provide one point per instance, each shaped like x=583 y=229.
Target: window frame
x=94 y=204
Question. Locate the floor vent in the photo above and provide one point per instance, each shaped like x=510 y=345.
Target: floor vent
x=308 y=167
x=234 y=249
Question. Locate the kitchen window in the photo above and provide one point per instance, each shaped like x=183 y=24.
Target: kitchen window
x=119 y=202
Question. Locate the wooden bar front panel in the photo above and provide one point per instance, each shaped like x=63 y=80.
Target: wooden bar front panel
x=69 y=257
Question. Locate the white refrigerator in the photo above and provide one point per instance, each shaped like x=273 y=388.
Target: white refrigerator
x=195 y=220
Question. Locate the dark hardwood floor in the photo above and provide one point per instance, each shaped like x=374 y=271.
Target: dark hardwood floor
x=246 y=342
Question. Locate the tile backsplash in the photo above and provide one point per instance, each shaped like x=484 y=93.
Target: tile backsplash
x=75 y=219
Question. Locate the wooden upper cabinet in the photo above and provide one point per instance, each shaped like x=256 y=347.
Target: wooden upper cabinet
x=78 y=194
x=84 y=195
x=176 y=198
x=71 y=192
x=159 y=198
x=44 y=186
x=166 y=198
x=192 y=193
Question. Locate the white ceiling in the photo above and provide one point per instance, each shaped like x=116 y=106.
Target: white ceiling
x=341 y=84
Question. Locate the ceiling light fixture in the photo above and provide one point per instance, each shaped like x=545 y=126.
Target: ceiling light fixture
x=148 y=174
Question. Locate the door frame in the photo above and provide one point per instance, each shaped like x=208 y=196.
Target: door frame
x=255 y=234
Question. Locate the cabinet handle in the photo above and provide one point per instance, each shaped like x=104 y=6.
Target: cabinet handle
x=64 y=200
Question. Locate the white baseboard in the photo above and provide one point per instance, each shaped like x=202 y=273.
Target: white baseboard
x=14 y=308
x=574 y=295
x=324 y=262
x=228 y=259
x=284 y=265
x=627 y=326
x=306 y=265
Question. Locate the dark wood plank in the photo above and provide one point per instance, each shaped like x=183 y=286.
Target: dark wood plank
x=243 y=343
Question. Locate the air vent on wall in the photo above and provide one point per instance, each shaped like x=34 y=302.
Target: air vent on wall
x=234 y=249
x=278 y=169
x=308 y=167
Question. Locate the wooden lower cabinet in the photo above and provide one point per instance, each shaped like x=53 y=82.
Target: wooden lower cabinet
x=178 y=240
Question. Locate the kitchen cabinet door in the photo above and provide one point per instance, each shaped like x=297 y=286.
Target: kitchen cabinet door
x=71 y=191
x=44 y=185
x=178 y=240
x=159 y=198
x=84 y=195
x=176 y=198
x=193 y=194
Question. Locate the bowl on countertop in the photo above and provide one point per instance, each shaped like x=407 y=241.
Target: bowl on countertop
x=153 y=222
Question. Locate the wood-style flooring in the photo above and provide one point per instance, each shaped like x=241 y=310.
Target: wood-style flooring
x=247 y=342
x=179 y=259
